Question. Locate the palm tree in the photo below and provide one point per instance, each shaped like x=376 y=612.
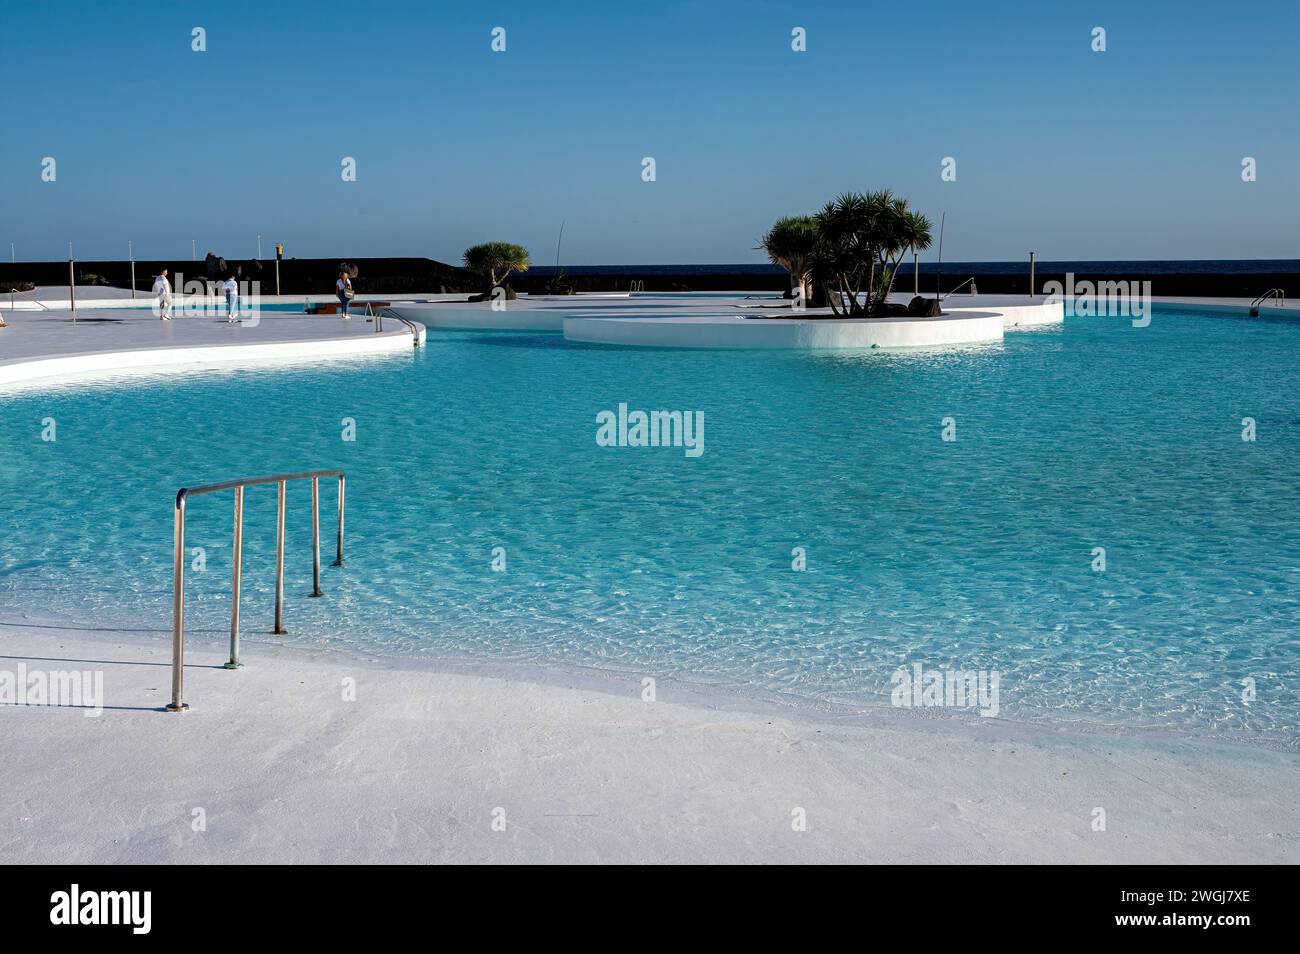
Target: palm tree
x=841 y=255
x=863 y=238
x=496 y=260
x=791 y=243
x=903 y=231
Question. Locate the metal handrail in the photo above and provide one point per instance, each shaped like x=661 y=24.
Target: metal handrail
x=1277 y=293
x=178 y=561
x=379 y=322
x=35 y=301
x=959 y=287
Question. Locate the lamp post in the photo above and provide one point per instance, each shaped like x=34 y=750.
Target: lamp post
x=72 y=284
x=938 y=271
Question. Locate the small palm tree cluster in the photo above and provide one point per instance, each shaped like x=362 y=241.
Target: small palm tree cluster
x=496 y=260
x=851 y=250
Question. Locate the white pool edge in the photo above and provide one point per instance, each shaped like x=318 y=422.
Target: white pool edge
x=90 y=365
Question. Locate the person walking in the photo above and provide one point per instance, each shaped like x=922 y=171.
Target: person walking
x=343 y=288
x=231 y=288
x=163 y=289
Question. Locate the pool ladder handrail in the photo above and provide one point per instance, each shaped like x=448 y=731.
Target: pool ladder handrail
x=236 y=574
x=637 y=287
x=378 y=315
x=35 y=301
x=970 y=281
x=1277 y=293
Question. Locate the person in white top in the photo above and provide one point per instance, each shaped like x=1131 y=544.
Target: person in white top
x=231 y=288
x=343 y=288
x=163 y=289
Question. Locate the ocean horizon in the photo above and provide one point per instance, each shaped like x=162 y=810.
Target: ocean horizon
x=1231 y=266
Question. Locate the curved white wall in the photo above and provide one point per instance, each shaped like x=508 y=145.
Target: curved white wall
x=705 y=324
x=1016 y=315
x=733 y=331
x=481 y=317
x=108 y=363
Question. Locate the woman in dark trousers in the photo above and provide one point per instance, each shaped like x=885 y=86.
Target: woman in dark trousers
x=343 y=288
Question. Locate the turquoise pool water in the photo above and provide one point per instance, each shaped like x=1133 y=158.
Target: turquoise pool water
x=975 y=554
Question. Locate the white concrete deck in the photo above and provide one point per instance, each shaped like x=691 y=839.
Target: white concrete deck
x=41 y=345
x=58 y=298
x=290 y=770
x=1234 y=306
x=546 y=313
x=1018 y=311
x=736 y=321
x=43 y=342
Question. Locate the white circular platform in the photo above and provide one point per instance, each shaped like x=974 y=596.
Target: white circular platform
x=734 y=322
x=736 y=331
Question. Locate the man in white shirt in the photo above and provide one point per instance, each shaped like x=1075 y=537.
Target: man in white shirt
x=231 y=288
x=163 y=289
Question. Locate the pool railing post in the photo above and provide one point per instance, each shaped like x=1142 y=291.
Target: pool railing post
x=315 y=536
x=338 y=559
x=177 y=703
x=279 y=560
x=178 y=605
x=236 y=578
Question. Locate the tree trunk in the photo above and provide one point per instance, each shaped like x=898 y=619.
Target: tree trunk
x=835 y=296
x=871 y=290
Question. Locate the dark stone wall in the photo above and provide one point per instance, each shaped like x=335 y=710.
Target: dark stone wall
x=298 y=276
x=310 y=276
x=990 y=278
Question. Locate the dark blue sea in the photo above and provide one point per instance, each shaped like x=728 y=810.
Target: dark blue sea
x=1188 y=267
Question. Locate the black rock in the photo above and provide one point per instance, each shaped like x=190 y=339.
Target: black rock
x=215 y=265
x=922 y=307
x=511 y=295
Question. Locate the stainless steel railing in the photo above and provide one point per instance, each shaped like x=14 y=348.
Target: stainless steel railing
x=35 y=301
x=178 y=561
x=970 y=281
x=379 y=314
x=1277 y=293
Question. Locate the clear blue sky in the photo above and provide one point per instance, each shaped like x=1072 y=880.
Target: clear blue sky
x=1131 y=153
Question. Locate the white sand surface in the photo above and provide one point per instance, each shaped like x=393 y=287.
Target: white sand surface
x=285 y=769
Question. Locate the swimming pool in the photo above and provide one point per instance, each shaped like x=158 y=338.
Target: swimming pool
x=977 y=553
